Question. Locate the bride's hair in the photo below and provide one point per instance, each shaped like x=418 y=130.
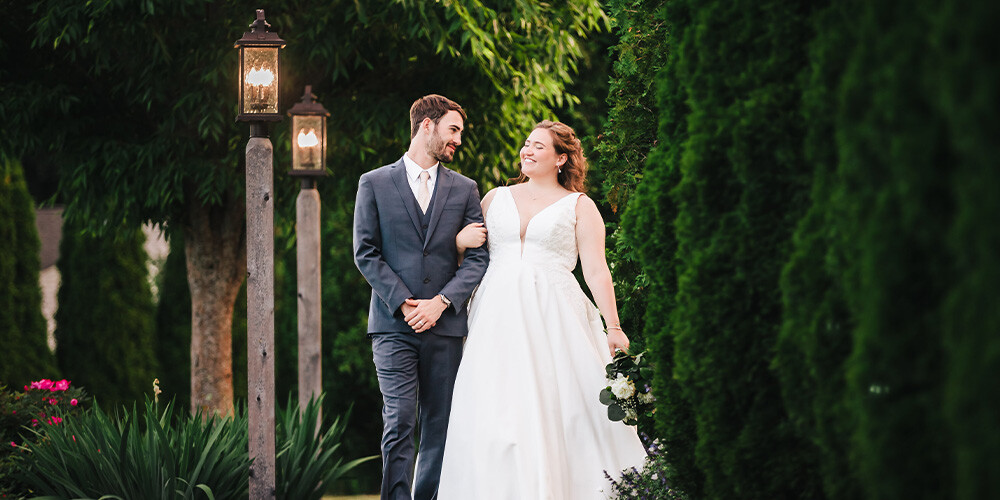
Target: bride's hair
x=574 y=170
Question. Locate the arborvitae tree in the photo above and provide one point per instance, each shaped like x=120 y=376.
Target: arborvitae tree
x=918 y=190
x=104 y=324
x=627 y=137
x=742 y=188
x=23 y=332
x=648 y=225
x=173 y=326
x=966 y=86
x=816 y=335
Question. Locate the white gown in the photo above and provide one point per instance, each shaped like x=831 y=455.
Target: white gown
x=526 y=422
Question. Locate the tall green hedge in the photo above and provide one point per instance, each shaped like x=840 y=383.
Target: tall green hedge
x=26 y=354
x=815 y=339
x=626 y=139
x=104 y=323
x=648 y=225
x=966 y=87
x=742 y=186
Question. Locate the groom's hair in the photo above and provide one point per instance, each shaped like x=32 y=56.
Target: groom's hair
x=431 y=106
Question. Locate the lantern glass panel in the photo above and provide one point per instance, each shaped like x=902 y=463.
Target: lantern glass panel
x=260 y=80
x=308 y=141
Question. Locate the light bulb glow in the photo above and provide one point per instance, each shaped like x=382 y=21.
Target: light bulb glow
x=261 y=76
x=307 y=139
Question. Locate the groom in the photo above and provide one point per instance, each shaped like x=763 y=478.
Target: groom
x=406 y=217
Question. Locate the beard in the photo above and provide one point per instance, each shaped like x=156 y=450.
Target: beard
x=438 y=149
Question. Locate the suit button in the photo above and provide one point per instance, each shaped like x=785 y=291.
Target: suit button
x=427 y=280
x=425 y=226
x=426 y=253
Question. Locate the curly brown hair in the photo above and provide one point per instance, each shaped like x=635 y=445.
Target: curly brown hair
x=573 y=173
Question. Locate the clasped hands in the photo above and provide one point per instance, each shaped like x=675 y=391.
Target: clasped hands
x=422 y=314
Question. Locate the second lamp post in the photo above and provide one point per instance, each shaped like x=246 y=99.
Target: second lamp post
x=308 y=163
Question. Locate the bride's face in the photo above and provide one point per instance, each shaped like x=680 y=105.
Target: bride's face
x=538 y=156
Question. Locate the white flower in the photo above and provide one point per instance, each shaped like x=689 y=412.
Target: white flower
x=622 y=387
x=646 y=397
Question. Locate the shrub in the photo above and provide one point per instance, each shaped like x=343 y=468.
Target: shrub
x=42 y=404
x=656 y=480
x=160 y=454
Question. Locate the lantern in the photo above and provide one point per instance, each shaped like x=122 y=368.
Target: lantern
x=259 y=72
x=308 y=136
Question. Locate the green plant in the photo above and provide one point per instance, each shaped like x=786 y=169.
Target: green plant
x=657 y=480
x=147 y=455
x=42 y=404
x=307 y=459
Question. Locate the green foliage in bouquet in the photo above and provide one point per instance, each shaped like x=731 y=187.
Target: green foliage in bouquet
x=629 y=395
x=23 y=414
x=308 y=461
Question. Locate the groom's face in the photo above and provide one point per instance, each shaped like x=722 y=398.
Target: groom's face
x=445 y=137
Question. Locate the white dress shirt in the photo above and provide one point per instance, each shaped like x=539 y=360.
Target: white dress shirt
x=413 y=175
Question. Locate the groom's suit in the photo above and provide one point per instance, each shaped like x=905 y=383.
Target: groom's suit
x=405 y=253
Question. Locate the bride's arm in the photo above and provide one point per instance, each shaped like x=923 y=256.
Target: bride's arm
x=473 y=235
x=590 y=241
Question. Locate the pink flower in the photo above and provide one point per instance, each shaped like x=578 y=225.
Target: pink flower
x=13 y=412
x=74 y=437
x=26 y=388
x=34 y=422
x=13 y=444
x=53 y=402
x=43 y=384
x=73 y=402
x=61 y=385
x=53 y=420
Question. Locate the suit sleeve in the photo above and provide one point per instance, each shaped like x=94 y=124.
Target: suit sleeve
x=368 y=250
x=470 y=273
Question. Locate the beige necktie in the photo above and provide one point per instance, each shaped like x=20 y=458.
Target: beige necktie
x=423 y=194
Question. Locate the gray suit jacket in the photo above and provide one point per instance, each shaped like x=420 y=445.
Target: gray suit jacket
x=399 y=262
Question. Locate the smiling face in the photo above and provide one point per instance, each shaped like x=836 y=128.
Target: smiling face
x=445 y=137
x=538 y=156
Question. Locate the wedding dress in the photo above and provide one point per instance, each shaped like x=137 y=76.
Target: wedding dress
x=526 y=422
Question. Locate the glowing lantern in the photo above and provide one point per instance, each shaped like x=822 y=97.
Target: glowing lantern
x=259 y=72
x=308 y=136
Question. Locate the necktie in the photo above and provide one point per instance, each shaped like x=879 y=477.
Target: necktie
x=423 y=194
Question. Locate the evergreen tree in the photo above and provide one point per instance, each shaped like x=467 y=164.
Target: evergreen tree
x=966 y=85
x=26 y=354
x=816 y=334
x=105 y=320
x=628 y=135
x=742 y=187
x=173 y=326
x=648 y=225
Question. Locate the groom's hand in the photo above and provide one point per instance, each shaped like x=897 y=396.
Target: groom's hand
x=424 y=313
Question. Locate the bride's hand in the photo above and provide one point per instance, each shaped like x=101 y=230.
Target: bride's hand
x=617 y=340
x=471 y=236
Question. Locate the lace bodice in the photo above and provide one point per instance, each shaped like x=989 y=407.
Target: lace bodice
x=549 y=240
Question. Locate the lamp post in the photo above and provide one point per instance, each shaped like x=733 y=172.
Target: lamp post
x=308 y=163
x=259 y=86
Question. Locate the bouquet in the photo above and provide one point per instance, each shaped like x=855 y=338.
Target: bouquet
x=629 y=393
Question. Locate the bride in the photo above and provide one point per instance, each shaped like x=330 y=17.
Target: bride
x=526 y=422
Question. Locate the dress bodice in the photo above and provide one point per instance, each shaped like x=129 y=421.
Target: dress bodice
x=549 y=240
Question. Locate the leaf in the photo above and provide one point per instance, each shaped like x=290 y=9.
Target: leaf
x=616 y=413
x=607 y=398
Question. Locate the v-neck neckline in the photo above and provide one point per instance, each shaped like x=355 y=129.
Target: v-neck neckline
x=517 y=210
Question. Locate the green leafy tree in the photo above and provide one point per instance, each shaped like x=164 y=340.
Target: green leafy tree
x=138 y=100
x=104 y=323
x=22 y=327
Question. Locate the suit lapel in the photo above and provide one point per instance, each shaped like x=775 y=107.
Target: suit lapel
x=405 y=193
x=443 y=187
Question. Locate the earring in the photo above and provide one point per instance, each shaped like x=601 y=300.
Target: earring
x=560 y=170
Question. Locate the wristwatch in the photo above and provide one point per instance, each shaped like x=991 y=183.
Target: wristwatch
x=445 y=300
